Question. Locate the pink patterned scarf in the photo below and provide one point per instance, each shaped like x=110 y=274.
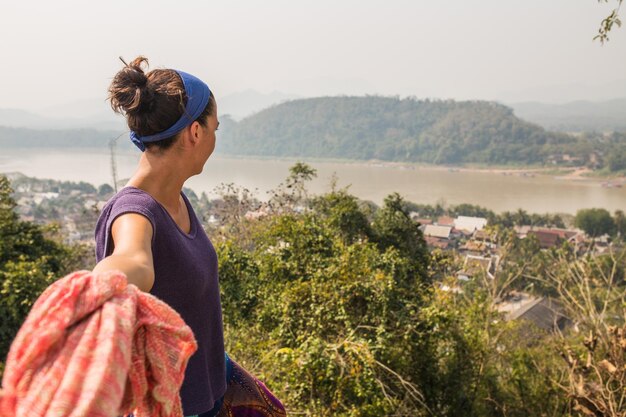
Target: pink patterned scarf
x=92 y=345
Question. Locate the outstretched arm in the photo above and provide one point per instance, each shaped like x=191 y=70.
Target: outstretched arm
x=132 y=250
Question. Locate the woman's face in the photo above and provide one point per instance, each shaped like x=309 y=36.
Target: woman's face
x=208 y=139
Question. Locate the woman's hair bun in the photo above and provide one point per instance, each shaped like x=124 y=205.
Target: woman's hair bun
x=152 y=100
x=130 y=87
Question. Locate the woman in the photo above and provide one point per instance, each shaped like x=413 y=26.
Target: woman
x=149 y=230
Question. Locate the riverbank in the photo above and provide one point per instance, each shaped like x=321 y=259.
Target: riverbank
x=534 y=189
x=573 y=173
x=569 y=174
x=576 y=173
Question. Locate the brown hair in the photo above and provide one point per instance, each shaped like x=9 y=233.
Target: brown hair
x=151 y=102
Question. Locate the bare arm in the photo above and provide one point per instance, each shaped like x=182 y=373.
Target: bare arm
x=132 y=250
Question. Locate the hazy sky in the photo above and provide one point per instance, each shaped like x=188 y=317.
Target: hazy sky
x=60 y=51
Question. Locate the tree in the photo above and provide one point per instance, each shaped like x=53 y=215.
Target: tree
x=394 y=228
x=105 y=190
x=593 y=293
x=620 y=224
x=595 y=221
x=233 y=205
x=29 y=261
x=617 y=159
x=343 y=214
x=341 y=320
x=607 y=23
x=304 y=292
x=292 y=194
x=471 y=210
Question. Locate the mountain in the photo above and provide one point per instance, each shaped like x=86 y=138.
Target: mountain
x=392 y=129
x=97 y=114
x=19 y=118
x=11 y=137
x=94 y=113
x=89 y=108
x=576 y=116
x=58 y=118
x=376 y=128
x=598 y=90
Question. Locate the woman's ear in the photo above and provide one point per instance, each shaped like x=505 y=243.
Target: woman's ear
x=196 y=132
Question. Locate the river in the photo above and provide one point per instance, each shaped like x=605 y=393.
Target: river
x=535 y=194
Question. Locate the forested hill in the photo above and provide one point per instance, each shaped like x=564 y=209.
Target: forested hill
x=376 y=128
x=392 y=129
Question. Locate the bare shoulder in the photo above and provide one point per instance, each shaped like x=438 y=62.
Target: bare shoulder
x=131 y=232
x=132 y=250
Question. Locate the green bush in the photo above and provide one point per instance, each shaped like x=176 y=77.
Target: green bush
x=30 y=259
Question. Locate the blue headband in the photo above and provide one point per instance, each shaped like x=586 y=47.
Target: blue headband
x=198 y=95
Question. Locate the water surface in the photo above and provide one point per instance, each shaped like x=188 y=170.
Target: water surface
x=368 y=181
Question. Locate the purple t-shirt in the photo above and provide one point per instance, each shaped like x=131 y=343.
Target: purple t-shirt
x=185 y=277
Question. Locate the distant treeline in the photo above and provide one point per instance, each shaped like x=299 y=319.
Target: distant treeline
x=380 y=128
x=409 y=130
x=507 y=219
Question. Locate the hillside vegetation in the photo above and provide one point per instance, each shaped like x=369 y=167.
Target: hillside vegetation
x=342 y=310
x=379 y=128
x=393 y=129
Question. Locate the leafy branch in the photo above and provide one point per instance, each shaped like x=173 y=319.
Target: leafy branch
x=607 y=23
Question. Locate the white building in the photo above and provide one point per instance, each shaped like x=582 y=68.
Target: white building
x=470 y=224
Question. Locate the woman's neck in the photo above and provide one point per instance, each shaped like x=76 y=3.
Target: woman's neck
x=161 y=177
